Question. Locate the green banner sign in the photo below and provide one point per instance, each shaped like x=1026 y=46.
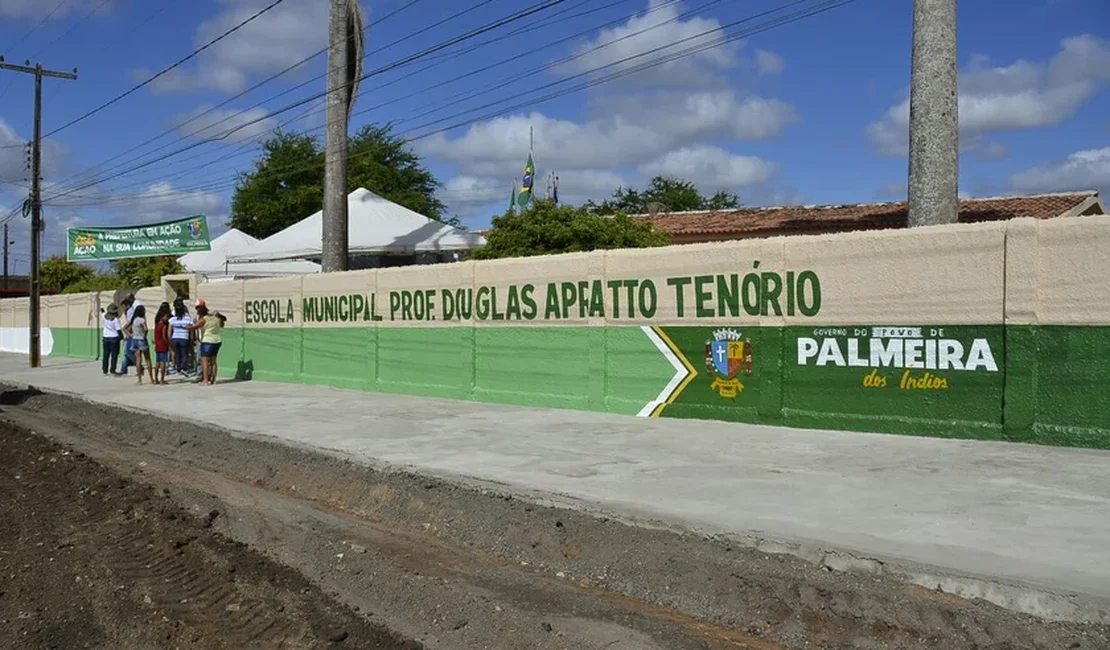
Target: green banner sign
x=176 y=237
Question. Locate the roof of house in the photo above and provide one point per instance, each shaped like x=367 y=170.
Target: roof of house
x=866 y=216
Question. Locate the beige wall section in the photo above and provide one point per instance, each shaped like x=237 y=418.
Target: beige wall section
x=82 y=310
x=55 y=311
x=435 y=278
x=272 y=302
x=1022 y=271
x=1073 y=271
x=152 y=297
x=1053 y=272
x=224 y=297
x=21 y=316
x=942 y=274
x=347 y=283
x=540 y=272
x=695 y=262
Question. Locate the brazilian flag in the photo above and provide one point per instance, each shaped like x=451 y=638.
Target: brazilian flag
x=525 y=194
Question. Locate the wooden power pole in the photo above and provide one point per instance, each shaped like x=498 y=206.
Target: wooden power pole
x=36 y=197
x=934 y=167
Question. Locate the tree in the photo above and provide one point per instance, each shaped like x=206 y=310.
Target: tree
x=96 y=282
x=287 y=185
x=287 y=182
x=544 y=228
x=383 y=163
x=57 y=273
x=138 y=272
x=670 y=194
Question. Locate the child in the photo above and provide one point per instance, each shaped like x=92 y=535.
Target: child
x=139 y=344
x=161 y=343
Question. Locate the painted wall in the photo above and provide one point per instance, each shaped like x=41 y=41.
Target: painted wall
x=992 y=331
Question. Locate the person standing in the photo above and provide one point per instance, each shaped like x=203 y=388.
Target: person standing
x=129 y=304
x=139 y=346
x=211 y=326
x=113 y=333
x=180 y=337
x=161 y=343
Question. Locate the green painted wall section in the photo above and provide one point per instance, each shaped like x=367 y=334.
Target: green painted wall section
x=1049 y=384
x=80 y=343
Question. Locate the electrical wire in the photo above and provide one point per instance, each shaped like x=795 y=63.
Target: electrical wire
x=256 y=86
x=695 y=49
x=456 y=79
x=532 y=25
x=187 y=57
x=471 y=34
x=34 y=29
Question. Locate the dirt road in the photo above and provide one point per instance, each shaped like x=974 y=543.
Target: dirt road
x=134 y=550
x=89 y=559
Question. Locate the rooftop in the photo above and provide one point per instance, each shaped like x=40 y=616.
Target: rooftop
x=865 y=216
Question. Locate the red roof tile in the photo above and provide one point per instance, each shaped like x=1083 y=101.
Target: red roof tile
x=753 y=221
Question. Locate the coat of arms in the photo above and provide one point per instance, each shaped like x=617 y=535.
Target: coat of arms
x=195 y=228
x=729 y=354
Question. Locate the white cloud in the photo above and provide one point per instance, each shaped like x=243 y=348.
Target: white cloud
x=1022 y=95
x=157 y=202
x=992 y=151
x=248 y=124
x=1082 y=170
x=13 y=156
x=769 y=63
x=464 y=193
x=653 y=34
x=270 y=43
x=631 y=133
x=711 y=168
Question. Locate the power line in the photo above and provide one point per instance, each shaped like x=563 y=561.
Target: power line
x=782 y=20
x=822 y=7
x=471 y=34
x=532 y=25
x=34 y=29
x=273 y=97
x=188 y=57
x=459 y=78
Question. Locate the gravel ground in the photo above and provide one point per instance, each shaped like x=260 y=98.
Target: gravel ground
x=460 y=566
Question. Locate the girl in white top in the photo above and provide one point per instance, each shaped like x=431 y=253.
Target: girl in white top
x=139 y=344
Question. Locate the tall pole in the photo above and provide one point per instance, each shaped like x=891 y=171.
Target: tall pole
x=334 y=236
x=36 y=197
x=6 y=243
x=934 y=165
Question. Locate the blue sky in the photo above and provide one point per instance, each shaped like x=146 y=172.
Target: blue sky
x=809 y=112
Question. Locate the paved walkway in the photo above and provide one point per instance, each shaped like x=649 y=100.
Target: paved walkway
x=1020 y=514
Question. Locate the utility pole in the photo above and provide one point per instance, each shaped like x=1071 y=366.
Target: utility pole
x=6 y=243
x=36 y=196
x=934 y=165
x=345 y=44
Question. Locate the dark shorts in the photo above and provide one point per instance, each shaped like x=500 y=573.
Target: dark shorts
x=209 y=349
x=162 y=357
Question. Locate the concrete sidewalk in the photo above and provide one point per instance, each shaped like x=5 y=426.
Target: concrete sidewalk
x=1024 y=526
